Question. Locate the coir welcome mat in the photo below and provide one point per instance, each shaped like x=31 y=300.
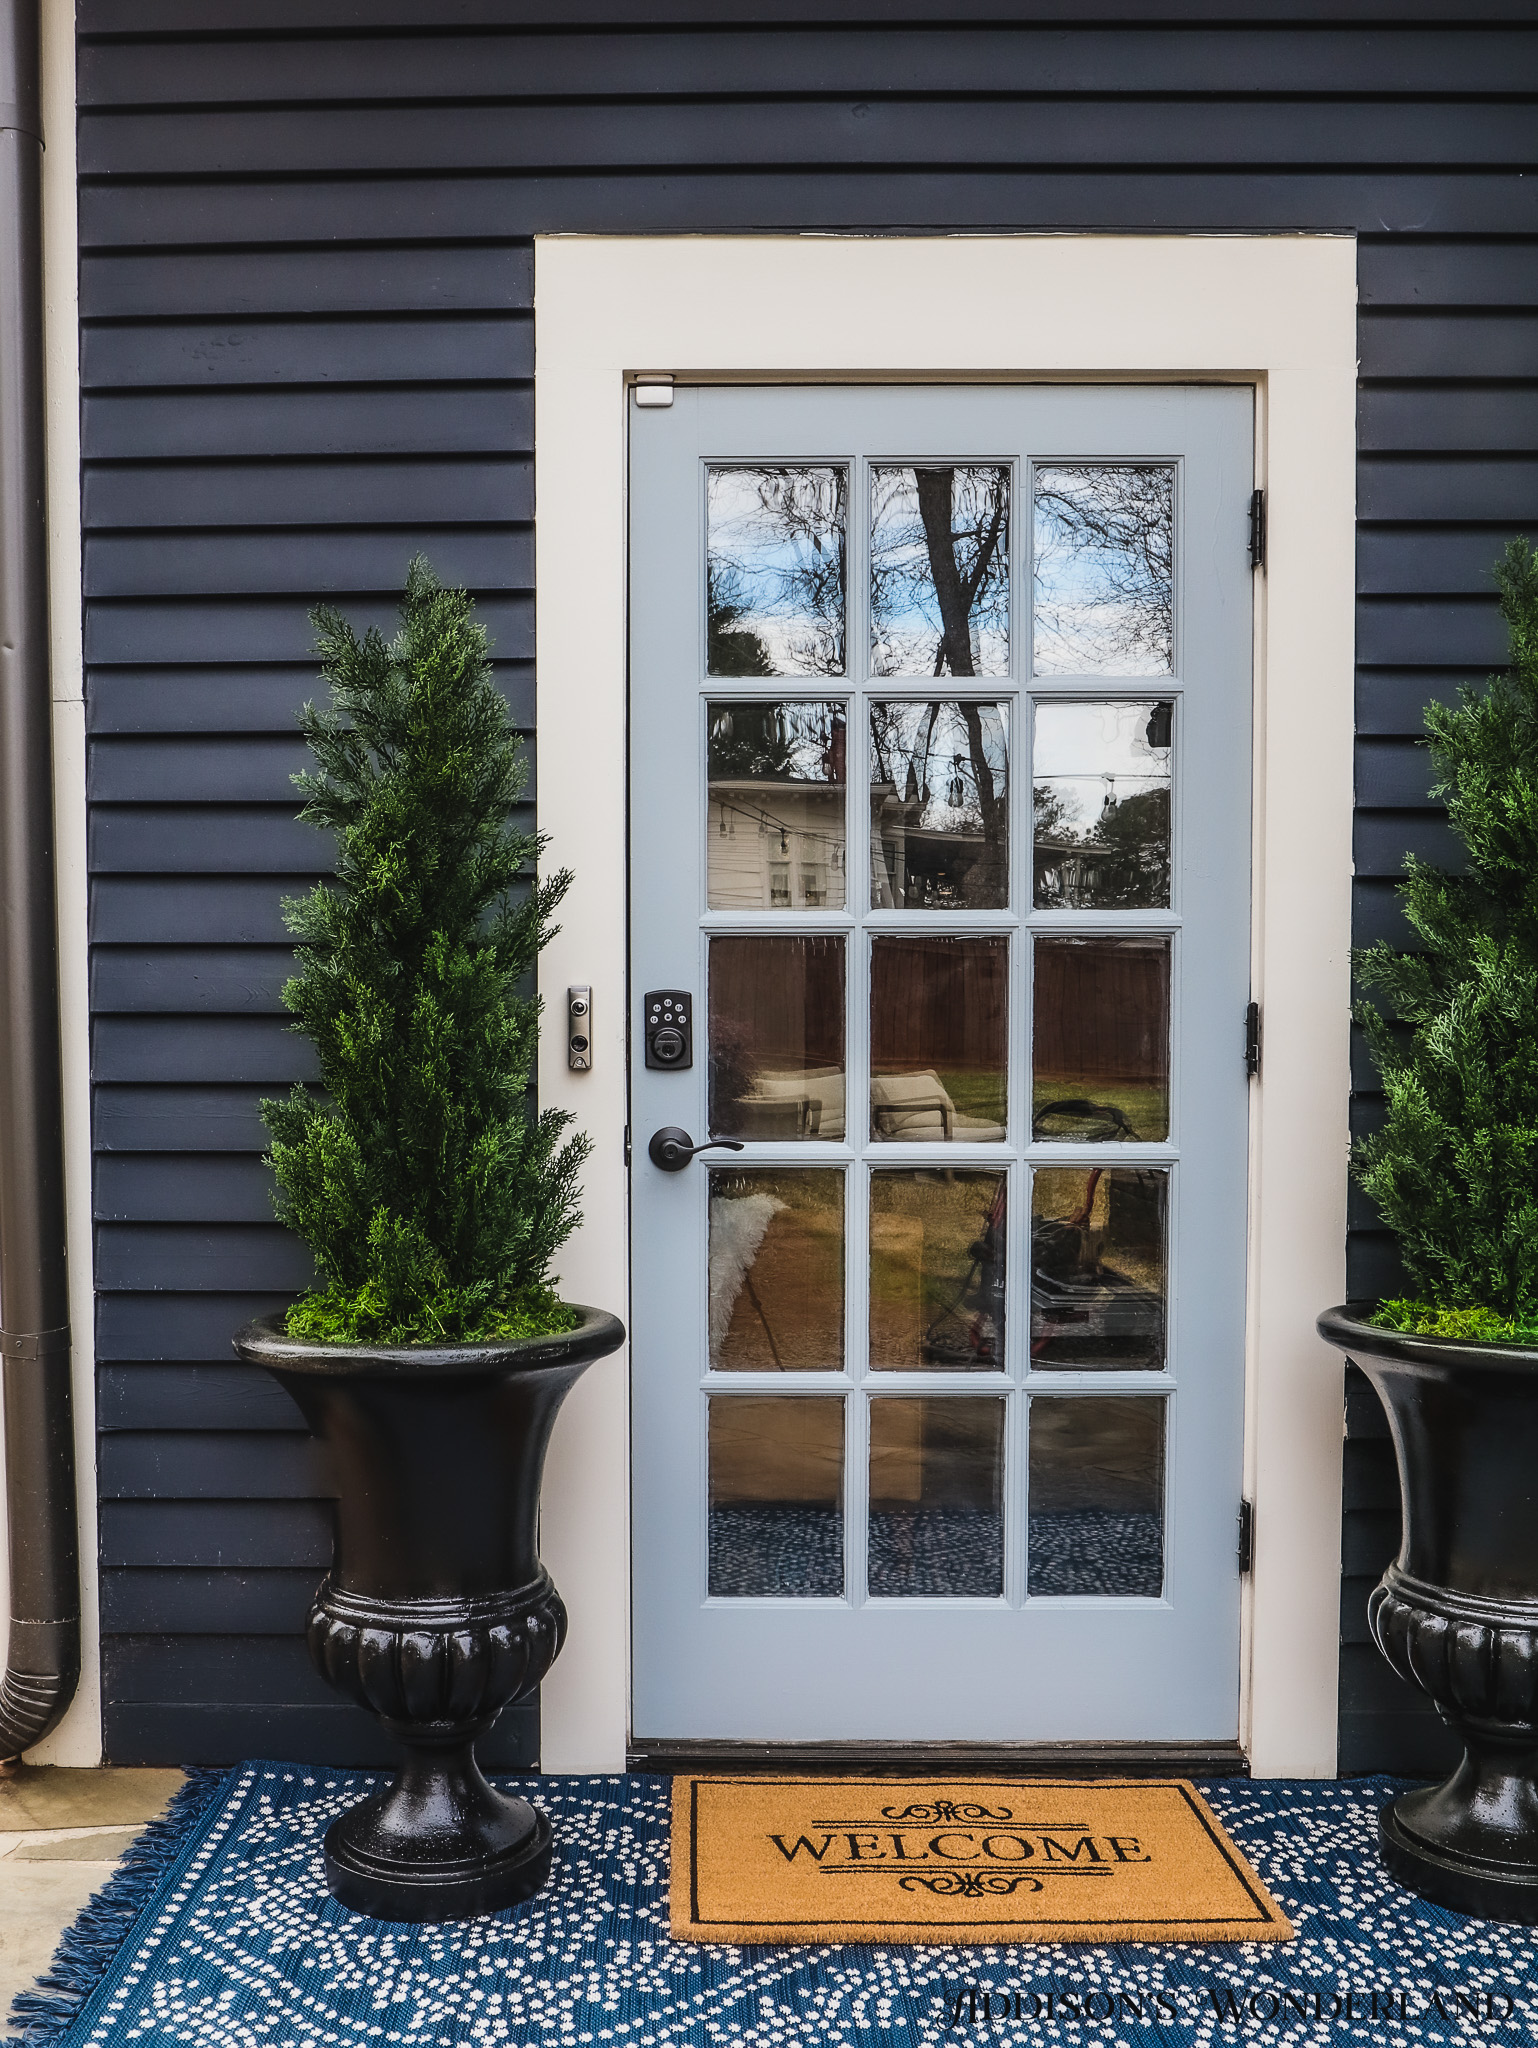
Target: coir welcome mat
x=888 y=1860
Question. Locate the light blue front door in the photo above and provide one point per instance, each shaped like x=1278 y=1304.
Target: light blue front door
x=940 y=911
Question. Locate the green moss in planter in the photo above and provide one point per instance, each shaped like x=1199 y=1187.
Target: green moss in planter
x=1464 y=1325
x=433 y=1202
x=1454 y=1170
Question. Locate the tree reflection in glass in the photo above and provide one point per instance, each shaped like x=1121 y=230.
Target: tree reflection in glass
x=939 y=806
x=1104 y=569
x=775 y=571
x=1101 y=797
x=939 y=571
x=775 y=832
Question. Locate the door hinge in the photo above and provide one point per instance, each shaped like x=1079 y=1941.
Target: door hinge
x=627 y=1144
x=1246 y=1538
x=1257 y=529
x=1252 y=1039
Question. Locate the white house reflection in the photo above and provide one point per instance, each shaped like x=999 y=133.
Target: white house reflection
x=775 y=831
x=1100 y=785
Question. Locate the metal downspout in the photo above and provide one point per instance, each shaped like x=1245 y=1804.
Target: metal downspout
x=43 y=1662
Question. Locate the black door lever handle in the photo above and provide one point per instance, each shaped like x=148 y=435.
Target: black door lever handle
x=672 y=1148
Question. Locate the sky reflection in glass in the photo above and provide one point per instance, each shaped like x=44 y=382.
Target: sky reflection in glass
x=1104 y=569
x=775 y=571
x=939 y=571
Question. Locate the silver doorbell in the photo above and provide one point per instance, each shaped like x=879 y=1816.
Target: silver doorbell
x=579 y=1029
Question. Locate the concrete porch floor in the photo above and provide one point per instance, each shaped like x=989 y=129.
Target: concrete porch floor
x=62 y=1833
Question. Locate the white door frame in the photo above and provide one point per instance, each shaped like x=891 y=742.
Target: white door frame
x=1278 y=312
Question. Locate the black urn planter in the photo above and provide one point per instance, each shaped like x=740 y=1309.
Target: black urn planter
x=436 y=1613
x=1457 y=1612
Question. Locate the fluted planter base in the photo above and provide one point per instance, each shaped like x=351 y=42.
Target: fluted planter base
x=437 y=1613
x=1457 y=1613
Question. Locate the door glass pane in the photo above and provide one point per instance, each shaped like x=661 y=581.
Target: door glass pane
x=776 y=1496
x=1097 y=1496
x=939 y=571
x=1100 y=784
x=1105 y=569
x=777 y=1038
x=775 y=571
x=938 y=1040
x=937 y=1271
x=1101 y=1022
x=775 y=832
x=776 y=1271
x=939 y=807
x=936 y=1499
x=1098 y=1268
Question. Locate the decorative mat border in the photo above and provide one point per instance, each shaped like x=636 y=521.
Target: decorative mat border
x=1267 y=1923
x=43 y=2015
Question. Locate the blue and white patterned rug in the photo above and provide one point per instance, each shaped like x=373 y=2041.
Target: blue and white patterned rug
x=240 y=1946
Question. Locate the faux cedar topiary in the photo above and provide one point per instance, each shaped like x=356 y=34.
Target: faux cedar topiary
x=1454 y=1169
x=431 y=1201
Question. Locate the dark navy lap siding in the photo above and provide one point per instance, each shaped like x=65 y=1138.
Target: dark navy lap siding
x=306 y=288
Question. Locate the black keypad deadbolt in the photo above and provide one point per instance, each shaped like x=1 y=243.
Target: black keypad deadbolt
x=669 y=1014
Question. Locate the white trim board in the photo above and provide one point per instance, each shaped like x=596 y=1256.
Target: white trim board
x=1275 y=311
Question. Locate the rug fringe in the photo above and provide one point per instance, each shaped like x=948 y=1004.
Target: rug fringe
x=44 y=2014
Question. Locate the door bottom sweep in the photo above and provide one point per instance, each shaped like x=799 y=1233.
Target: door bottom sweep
x=950 y=1759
